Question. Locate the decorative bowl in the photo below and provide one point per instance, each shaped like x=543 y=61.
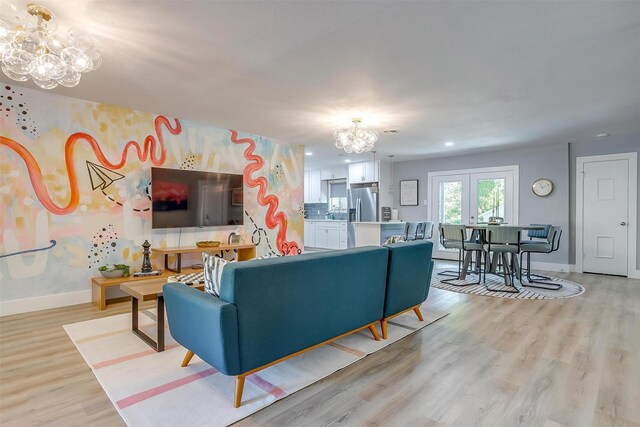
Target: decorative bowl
x=112 y=274
x=208 y=244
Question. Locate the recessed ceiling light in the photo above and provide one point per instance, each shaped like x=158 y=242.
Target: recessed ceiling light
x=391 y=131
x=448 y=143
x=602 y=135
x=347 y=160
x=308 y=153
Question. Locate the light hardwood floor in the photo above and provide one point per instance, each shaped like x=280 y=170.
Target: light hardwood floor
x=493 y=362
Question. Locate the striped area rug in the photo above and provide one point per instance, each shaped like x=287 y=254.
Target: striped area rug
x=569 y=289
x=151 y=389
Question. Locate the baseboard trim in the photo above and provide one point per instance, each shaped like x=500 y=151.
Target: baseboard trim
x=26 y=305
x=634 y=274
x=549 y=266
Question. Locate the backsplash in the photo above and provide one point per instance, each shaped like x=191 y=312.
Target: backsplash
x=319 y=211
x=315 y=210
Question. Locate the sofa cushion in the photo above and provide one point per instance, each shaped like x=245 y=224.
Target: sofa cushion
x=213 y=267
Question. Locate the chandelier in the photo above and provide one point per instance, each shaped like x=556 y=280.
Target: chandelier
x=355 y=139
x=30 y=48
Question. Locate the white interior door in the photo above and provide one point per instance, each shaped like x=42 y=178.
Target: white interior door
x=605 y=216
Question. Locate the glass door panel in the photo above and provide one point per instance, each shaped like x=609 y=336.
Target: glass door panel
x=450 y=202
x=490 y=202
x=491 y=195
x=451 y=194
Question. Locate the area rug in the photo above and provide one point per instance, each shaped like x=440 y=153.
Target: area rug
x=569 y=289
x=151 y=389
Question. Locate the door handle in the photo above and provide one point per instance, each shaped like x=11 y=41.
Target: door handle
x=623 y=223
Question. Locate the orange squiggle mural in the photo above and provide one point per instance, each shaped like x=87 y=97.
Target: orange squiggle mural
x=35 y=174
x=272 y=219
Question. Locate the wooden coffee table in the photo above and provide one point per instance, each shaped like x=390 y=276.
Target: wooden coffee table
x=147 y=290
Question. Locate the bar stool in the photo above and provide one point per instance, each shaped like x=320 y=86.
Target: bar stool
x=410 y=230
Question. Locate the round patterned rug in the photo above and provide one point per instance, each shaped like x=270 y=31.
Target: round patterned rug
x=569 y=289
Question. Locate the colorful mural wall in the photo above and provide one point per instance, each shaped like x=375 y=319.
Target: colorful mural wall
x=74 y=188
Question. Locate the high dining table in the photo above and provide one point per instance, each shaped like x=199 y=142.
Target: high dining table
x=468 y=256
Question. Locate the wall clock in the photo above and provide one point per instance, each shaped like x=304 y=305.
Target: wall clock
x=542 y=187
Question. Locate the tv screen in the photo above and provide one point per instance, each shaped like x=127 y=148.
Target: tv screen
x=186 y=198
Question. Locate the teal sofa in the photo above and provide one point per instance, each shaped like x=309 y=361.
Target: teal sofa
x=272 y=309
x=409 y=271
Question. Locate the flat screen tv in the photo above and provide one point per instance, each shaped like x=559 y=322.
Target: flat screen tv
x=186 y=198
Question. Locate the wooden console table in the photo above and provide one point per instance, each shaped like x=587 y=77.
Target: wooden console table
x=245 y=251
x=99 y=284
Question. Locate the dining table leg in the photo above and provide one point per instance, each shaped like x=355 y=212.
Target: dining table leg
x=516 y=266
x=494 y=262
x=465 y=264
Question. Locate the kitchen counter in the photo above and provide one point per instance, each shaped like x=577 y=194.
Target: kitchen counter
x=377 y=232
x=379 y=222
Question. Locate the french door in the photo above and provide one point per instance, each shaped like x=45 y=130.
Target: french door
x=472 y=197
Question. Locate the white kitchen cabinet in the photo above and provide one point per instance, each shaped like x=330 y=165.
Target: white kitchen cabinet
x=356 y=173
x=322 y=236
x=326 y=234
x=333 y=173
x=363 y=172
x=326 y=173
x=306 y=187
x=317 y=189
x=343 y=235
x=310 y=234
x=333 y=238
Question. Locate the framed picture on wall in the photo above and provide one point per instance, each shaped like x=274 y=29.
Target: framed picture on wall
x=409 y=192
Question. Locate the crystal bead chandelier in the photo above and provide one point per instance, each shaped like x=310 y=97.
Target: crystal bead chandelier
x=355 y=139
x=30 y=48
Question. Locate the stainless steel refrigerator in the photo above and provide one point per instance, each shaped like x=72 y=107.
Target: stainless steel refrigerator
x=363 y=206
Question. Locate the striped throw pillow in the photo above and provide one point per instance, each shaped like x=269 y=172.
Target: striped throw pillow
x=269 y=255
x=394 y=239
x=213 y=266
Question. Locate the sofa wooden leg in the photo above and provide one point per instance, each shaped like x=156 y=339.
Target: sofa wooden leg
x=239 y=388
x=383 y=326
x=187 y=358
x=417 y=311
x=374 y=332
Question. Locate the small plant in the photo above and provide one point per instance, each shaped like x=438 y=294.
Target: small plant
x=113 y=267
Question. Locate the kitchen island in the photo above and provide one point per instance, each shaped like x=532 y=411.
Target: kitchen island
x=375 y=233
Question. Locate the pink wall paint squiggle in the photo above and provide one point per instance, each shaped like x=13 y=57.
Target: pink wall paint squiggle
x=150 y=149
x=273 y=218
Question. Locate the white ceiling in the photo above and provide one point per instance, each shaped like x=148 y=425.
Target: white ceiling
x=478 y=73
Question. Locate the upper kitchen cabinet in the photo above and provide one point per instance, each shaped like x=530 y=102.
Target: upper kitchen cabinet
x=306 y=187
x=315 y=190
x=364 y=172
x=333 y=173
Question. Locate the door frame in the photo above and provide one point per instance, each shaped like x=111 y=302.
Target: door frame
x=514 y=169
x=632 y=214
